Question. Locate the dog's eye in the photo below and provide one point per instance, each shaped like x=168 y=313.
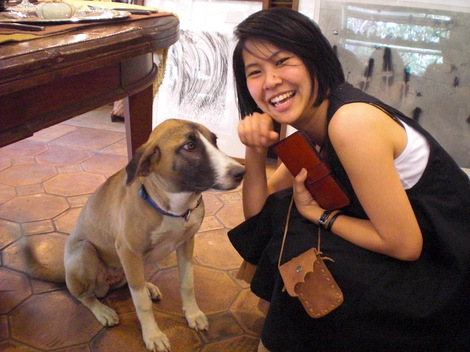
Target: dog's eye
x=190 y=146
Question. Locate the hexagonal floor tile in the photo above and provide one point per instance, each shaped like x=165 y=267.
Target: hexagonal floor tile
x=66 y=221
x=88 y=138
x=26 y=174
x=30 y=189
x=120 y=300
x=168 y=262
x=14 y=288
x=26 y=147
x=46 y=286
x=83 y=348
x=213 y=249
x=246 y=310
x=33 y=207
x=212 y=203
x=37 y=227
x=105 y=164
x=238 y=344
x=4 y=163
x=210 y=223
x=48 y=249
x=231 y=215
x=181 y=336
x=74 y=184
x=13 y=346
x=230 y=197
x=6 y=193
x=97 y=119
x=208 y=284
x=69 y=323
x=4 y=331
x=78 y=201
x=9 y=232
x=62 y=155
x=53 y=132
x=222 y=326
x=119 y=148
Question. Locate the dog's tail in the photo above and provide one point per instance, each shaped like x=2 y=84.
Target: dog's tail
x=54 y=271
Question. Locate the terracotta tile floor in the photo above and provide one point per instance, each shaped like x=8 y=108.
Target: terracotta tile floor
x=44 y=182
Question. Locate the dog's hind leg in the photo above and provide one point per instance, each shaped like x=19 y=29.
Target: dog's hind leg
x=85 y=278
x=195 y=317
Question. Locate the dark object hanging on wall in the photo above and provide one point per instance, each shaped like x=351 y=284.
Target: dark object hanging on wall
x=367 y=74
x=416 y=114
x=387 y=67
x=406 y=74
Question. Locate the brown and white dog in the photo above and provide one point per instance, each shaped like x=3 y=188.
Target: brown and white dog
x=140 y=214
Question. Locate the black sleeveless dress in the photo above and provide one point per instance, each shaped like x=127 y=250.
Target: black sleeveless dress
x=389 y=305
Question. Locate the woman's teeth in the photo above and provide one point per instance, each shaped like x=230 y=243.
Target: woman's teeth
x=278 y=100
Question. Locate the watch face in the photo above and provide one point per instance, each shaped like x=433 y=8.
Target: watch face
x=324 y=217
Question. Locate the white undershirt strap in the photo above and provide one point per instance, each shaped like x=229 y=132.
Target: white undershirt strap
x=412 y=162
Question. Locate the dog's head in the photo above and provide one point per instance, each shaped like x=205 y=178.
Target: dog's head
x=185 y=156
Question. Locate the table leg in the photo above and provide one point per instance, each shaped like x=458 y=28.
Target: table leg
x=138 y=118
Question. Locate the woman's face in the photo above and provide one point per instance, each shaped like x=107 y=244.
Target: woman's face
x=279 y=82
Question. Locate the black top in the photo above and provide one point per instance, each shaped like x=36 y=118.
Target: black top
x=389 y=305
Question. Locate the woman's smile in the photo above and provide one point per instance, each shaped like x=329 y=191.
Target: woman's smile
x=281 y=100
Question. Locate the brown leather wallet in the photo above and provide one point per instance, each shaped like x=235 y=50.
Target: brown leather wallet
x=296 y=152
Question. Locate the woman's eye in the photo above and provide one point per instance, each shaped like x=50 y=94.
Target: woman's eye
x=281 y=61
x=252 y=73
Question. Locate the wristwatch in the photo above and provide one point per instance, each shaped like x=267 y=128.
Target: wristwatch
x=324 y=218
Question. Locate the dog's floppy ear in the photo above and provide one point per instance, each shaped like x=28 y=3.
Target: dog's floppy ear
x=141 y=161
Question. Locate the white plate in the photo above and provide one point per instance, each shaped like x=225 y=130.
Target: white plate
x=79 y=16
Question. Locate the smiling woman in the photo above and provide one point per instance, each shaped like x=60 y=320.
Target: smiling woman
x=401 y=247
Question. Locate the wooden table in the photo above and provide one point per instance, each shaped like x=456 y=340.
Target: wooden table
x=79 y=68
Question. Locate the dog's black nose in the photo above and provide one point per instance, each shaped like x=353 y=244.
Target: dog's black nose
x=237 y=173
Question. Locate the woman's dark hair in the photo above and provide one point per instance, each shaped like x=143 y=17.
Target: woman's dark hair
x=291 y=31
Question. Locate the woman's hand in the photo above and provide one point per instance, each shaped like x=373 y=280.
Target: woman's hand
x=257 y=131
x=306 y=205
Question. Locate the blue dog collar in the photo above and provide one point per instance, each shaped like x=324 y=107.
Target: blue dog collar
x=186 y=215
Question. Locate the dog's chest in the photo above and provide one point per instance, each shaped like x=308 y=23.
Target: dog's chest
x=169 y=235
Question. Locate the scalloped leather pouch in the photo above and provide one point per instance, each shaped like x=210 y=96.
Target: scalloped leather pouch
x=308 y=278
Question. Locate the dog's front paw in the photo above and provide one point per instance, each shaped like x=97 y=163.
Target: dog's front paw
x=198 y=321
x=153 y=291
x=157 y=341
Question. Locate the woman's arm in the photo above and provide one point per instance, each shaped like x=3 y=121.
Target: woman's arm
x=367 y=146
x=257 y=133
